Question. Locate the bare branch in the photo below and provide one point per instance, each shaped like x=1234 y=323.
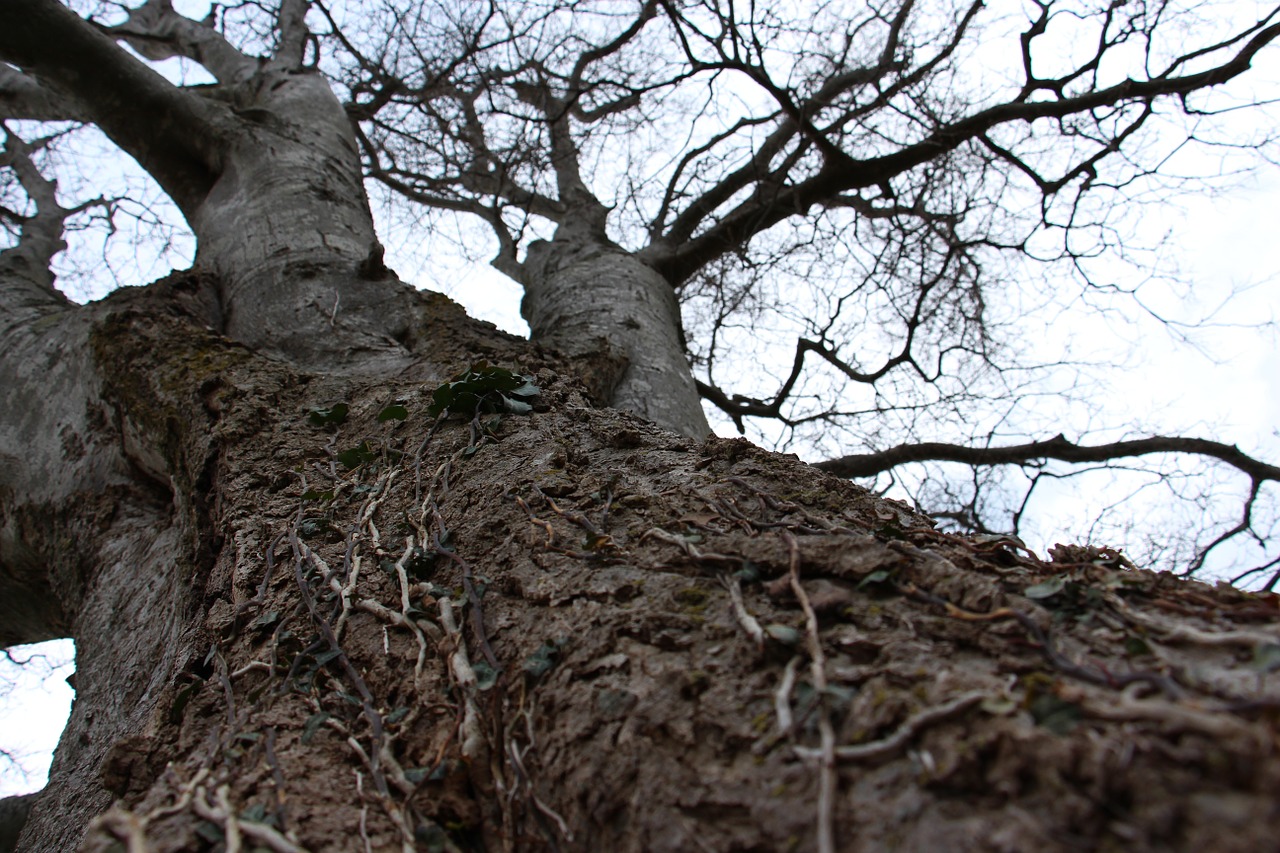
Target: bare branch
x=172 y=133
x=22 y=97
x=158 y=32
x=292 y=34
x=1058 y=447
x=25 y=276
x=767 y=207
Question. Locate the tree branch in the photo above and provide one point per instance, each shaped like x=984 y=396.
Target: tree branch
x=22 y=97
x=173 y=134
x=25 y=277
x=765 y=209
x=291 y=27
x=870 y=464
x=155 y=30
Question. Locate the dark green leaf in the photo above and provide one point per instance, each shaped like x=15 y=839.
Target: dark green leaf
x=516 y=407
x=1057 y=715
x=876 y=577
x=313 y=495
x=420 y=564
x=313 y=724
x=483 y=389
x=1048 y=589
x=180 y=702
x=542 y=660
x=311 y=527
x=210 y=832
x=749 y=573
x=256 y=813
x=357 y=456
x=1136 y=646
x=266 y=620
x=1266 y=657
x=332 y=416
x=486 y=676
x=394 y=412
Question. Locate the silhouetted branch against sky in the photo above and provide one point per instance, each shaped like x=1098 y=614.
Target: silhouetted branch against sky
x=906 y=225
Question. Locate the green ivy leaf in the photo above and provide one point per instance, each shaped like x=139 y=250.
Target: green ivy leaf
x=1048 y=589
x=1135 y=646
x=542 y=660
x=256 y=813
x=1057 y=715
x=1266 y=657
x=210 y=832
x=309 y=528
x=184 y=697
x=484 y=388
x=394 y=412
x=266 y=620
x=486 y=676
x=877 y=577
x=357 y=456
x=312 y=725
x=332 y=416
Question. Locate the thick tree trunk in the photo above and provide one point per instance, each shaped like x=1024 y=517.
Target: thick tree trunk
x=288 y=233
x=521 y=633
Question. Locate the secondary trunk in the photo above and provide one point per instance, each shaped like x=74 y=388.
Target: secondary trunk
x=591 y=298
x=288 y=234
x=569 y=629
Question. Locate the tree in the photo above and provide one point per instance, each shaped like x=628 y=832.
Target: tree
x=343 y=563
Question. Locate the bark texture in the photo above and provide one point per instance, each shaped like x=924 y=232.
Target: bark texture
x=572 y=630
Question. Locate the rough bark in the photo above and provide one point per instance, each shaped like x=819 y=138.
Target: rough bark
x=564 y=629
x=520 y=633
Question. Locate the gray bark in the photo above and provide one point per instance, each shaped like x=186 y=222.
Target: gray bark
x=288 y=232
x=577 y=294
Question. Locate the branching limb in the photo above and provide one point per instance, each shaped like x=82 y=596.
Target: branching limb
x=158 y=32
x=118 y=93
x=23 y=97
x=26 y=265
x=870 y=464
x=760 y=211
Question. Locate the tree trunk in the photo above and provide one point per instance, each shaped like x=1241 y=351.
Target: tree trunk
x=305 y=625
x=518 y=632
x=591 y=298
x=288 y=234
